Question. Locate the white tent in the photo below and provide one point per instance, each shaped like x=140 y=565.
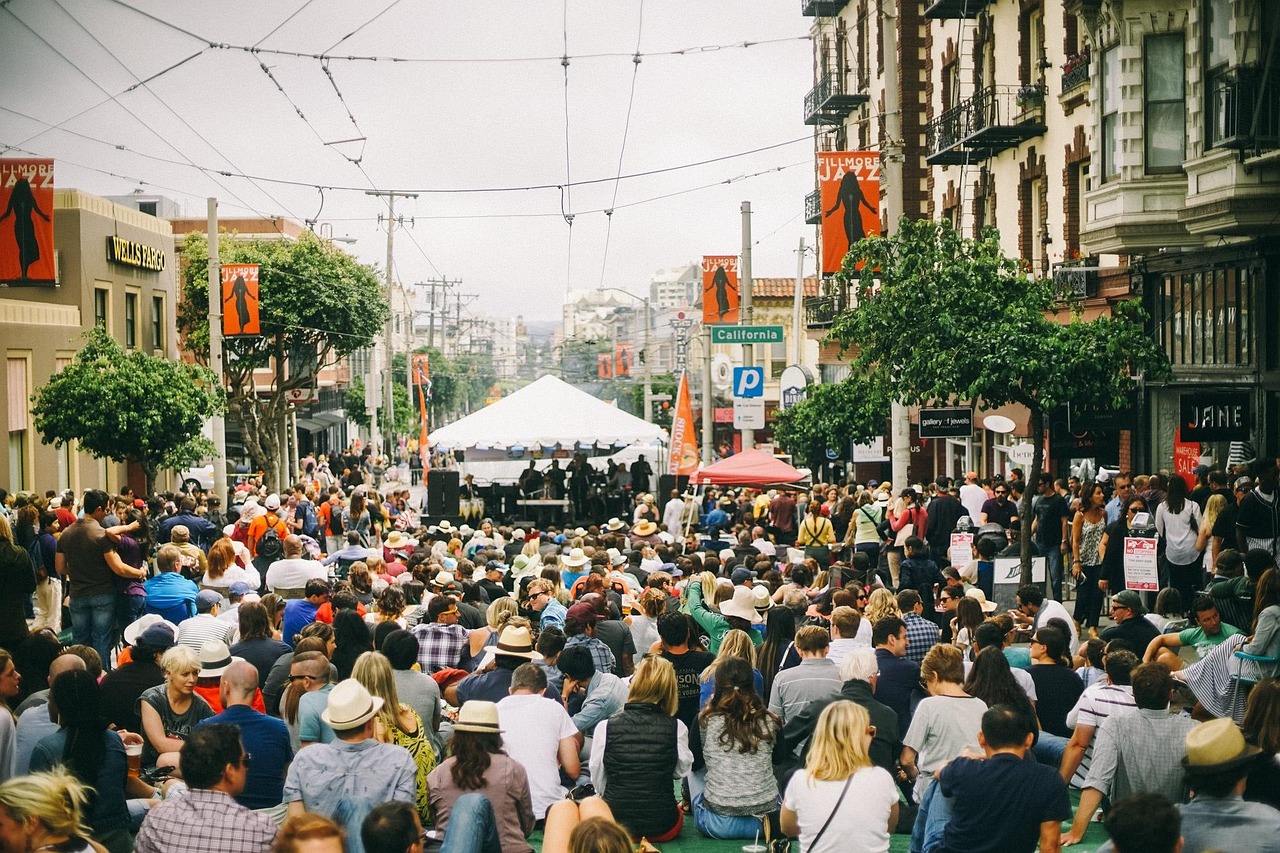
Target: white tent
x=544 y=414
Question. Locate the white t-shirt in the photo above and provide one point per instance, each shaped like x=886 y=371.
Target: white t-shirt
x=533 y=727
x=943 y=728
x=294 y=573
x=973 y=497
x=863 y=820
x=1050 y=609
x=841 y=647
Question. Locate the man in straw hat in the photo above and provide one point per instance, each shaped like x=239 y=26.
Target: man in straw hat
x=345 y=779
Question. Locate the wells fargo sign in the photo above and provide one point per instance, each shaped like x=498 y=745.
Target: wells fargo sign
x=131 y=253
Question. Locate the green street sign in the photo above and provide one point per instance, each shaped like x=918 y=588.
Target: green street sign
x=746 y=335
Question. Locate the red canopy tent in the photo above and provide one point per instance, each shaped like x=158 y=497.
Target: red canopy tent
x=749 y=468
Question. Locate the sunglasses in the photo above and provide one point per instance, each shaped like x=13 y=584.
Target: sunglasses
x=299 y=677
x=1001 y=494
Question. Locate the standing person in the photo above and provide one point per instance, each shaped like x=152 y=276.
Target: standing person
x=1049 y=529
x=10 y=684
x=816 y=535
x=640 y=474
x=998 y=509
x=908 y=518
x=636 y=753
x=1258 y=522
x=972 y=495
x=329 y=517
x=945 y=511
x=1178 y=523
x=1087 y=529
x=838 y=770
x=864 y=527
x=88 y=558
x=17 y=582
x=215 y=766
x=738 y=734
x=479 y=765
x=782 y=518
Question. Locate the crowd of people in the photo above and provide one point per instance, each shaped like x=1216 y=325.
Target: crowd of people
x=324 y=669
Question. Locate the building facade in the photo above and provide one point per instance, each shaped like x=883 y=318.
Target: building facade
x=116 y=269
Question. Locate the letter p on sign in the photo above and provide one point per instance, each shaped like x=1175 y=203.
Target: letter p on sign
x=748 y=382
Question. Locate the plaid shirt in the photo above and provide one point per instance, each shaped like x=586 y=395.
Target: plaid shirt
x=601 y=654
x=204 y=820
x=439 y=646
x=922 y=635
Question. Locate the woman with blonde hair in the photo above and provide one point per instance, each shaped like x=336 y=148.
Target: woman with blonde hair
x=838 y=770
x=172 y=709
x=736 y=644
x=45 y=811
x=1205 y=538
x=551 y=572
x=636 y=753
x=397 y=723
x=882 y=604
x=496 y=616
x=309 y=833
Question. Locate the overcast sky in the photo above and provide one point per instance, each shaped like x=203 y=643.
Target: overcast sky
x=436 y=125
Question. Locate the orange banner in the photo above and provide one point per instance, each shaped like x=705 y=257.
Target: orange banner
x=26 y=223
x=422 y=379
x=719 y=289
x=849 y=183
x=240 y=298
x=682 y=458
x=622 y=354
x=604 y=366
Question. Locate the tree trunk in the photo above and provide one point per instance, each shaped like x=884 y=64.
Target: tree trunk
x=259 y=432
x=149 y=469
x=1028 y=494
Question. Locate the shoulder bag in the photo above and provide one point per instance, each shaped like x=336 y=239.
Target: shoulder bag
x=814 y=843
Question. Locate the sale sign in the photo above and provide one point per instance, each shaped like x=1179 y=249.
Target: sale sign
x=719 y=289
x=26 y=222
x=849 y=186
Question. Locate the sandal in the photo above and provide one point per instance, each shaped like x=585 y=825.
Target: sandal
x=686 y=807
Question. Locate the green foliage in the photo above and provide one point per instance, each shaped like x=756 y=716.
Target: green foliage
x=405 y=413
x=128 y=406
x=832 y=416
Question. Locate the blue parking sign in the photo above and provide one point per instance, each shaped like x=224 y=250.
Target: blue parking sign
x=748 y=382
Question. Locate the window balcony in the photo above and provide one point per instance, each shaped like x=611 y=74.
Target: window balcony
x=821 y=311
x=1244 y=110
x=952 y=9
x=830 y=101
x=813 y=208
x=821 y=8
x=944 y=139
x=1075 y=73
x=1004 y=117
x=1077 y=279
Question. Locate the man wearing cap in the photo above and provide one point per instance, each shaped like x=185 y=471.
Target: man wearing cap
x=201 y=530
x=269 y=519
x=441 y=640
x=235 y=597
x=1258 y=521
x=169 y=595
x=215 y=766
x=346 y=778
x=265 y=738
x=1138 y=752
x=205 y=626
x=194 y=563
x=491 y=583
x=1127 y=611
x=972 y=495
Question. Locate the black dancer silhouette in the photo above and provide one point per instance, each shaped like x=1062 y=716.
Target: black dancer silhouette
x=22 y=203
x=240 y=292
x=720 y=281
x=850 y=196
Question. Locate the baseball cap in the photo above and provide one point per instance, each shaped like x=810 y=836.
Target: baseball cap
x=239 y=589
x=584 y=613
x=740 y=574
x=1130 y=599
x=272 y=502
x=158 y=636
x=495 y=566
x=206 y=599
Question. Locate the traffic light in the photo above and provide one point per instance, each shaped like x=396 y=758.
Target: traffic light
x=662 y=412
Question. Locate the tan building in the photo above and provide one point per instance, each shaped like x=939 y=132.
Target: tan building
x=116 y=268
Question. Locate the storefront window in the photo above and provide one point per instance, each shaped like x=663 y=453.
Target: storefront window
x=1203 y=316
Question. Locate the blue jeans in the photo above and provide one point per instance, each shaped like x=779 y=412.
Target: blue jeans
x=1053 y=564
x=931 y=820
x=93 y=619
x=1049 y=749
x=472 y=827
x=714 y=825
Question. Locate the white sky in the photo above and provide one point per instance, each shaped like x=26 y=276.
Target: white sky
x=436 y=125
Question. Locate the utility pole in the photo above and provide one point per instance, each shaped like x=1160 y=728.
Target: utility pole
x=745 y=285
x=388 y=379
x=894 y=206
x=708 y=396
x=219 y=424
x=437 y=306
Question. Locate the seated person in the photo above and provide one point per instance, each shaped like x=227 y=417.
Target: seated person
x=1204 y=637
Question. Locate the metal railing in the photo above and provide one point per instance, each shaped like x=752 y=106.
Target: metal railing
x=948 y=130
x=813 y=208
x=1005 y=106
x=821 y=311
x=1234 y=98
x=1076 y=77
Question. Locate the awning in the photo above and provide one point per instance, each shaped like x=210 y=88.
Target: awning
x=327 y=419
x=309 y=425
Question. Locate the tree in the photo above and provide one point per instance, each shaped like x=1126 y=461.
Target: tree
x=405 y=415
x=318 y=305
x=128 y=406
x=833 y=416
x=941 y=319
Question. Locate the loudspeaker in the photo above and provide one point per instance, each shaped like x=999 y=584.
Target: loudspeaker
x=442 y=493
x=666 y=483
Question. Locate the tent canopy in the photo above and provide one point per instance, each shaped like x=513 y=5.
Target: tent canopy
x=545 y=413
x=749 y=468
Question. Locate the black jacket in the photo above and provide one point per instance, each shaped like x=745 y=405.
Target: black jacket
x=885 y=746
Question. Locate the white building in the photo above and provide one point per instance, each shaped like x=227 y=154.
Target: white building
x=675 y=287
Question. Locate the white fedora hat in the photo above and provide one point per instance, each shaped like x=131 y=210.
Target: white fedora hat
x=350 y=706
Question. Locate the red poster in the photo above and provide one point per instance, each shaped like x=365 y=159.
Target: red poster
x=240 y=298
x=622 y=354
x=849 y=184
x=26 y=222
x=719 y=289
x=604 y=366
x=1186 y=456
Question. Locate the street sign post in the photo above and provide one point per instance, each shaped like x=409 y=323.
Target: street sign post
x=746 y=335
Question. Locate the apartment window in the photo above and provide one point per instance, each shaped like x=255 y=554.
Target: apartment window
x=101 y=307
x=18 y=390
x=1217 y=34
x=157 y=323
x=777 y=360
x=1110 y=112
x=131 y=320
x=147 y=207
x=1164 y=93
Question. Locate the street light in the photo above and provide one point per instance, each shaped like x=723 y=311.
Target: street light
x=648 y=385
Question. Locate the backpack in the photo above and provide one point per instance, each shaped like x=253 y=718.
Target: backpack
x=335 y=520
x=308 y=513
x=270 y=545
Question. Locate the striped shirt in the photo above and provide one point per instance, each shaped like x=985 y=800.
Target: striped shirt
x=793 y=689
x=1140 y=752
x=1099 y=701
x=204 y=628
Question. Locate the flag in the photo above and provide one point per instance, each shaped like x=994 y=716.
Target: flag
x=849 y=183
x=719 y=289
x=682 y=460
x=422 y=379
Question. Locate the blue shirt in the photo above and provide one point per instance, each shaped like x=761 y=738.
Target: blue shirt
x=267 y=740
x=351 y=778
x=311 y=728
x=171 y=596
x=298 y=614
x=1017 y=796
x=553 y=614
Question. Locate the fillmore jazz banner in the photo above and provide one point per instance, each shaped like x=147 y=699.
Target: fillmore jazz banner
x=622 y=355
x=26 y=222
x=849 y=183
x=683 y=458
x=422 y=380
x=240 y=298
x=719 y=289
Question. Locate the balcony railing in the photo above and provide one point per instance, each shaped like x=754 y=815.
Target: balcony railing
x=1002 y=117
x=821 y=8
x=813 y=208
x=1077 y=279
x=951 y=9
x=821 y=311
x=1076 y=76
x=1237 y=95
x=945 y=135
x=831 y=101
